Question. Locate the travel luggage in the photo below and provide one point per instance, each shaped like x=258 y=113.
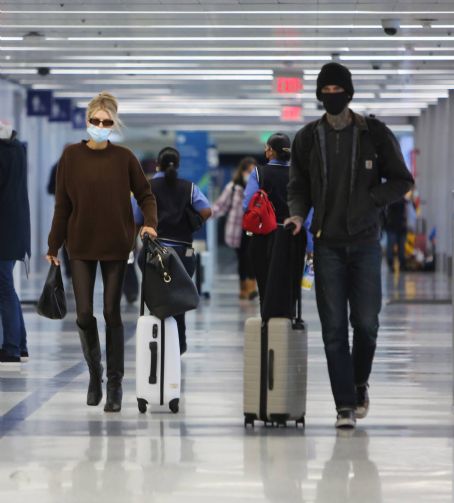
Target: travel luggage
x=203 y=275
x=167 y=288
x=275 y=369
x=52 y=302
x=158 y=363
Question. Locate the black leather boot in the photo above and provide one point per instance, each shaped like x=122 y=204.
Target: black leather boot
x=89 y=340
x=115 y=346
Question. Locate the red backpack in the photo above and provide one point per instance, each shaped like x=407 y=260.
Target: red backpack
x=260 y=217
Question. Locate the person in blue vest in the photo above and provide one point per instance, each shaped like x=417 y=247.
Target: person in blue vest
x=14 y=243
x=271 y=254
x=173 y=196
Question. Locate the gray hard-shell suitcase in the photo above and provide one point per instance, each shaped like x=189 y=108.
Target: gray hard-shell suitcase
x=275 y=369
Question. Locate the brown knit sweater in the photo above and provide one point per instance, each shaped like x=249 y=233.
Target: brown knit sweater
x=93 y=214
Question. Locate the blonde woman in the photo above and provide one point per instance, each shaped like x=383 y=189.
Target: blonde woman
x=93 y=218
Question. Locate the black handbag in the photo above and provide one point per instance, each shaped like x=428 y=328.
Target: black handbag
x=167 y=288
x=52 y=303
x=195 y=220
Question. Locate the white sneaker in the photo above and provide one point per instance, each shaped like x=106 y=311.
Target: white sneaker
x=345 y=418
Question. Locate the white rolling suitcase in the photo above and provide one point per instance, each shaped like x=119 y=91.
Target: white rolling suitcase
x=158 y=370
x=158 y=362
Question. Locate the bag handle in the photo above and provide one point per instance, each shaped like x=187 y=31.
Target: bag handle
x=152 y=246
x=298 y=263
x=146 y=240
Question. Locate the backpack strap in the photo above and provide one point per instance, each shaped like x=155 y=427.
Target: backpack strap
x=259 y=173
x=376 y=130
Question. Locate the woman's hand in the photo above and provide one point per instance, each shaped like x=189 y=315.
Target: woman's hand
x=52 y=260
x=148 y=230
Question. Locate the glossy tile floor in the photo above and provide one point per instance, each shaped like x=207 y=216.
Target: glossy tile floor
x=53 y=448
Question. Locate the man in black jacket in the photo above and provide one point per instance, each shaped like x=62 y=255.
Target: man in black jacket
x=14 y=243
x=348 y=169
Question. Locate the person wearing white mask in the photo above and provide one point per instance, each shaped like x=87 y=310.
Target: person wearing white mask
x=93 y=217
x=14 y=243
x=230 y=203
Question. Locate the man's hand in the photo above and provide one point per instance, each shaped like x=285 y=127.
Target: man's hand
x=297 y=221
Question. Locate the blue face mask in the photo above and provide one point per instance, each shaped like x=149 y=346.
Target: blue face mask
x=98 y=134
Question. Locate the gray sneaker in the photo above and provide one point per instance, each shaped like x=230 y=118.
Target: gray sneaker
x=362 y=401
x=345 y=418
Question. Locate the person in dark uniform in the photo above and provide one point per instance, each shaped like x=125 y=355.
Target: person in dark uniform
x=396 y=232
x=173 y=196
x=272 y=255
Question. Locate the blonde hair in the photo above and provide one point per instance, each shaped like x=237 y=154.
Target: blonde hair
x=107 y=102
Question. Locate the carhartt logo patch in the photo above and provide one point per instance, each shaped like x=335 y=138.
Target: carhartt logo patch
x=369 y=164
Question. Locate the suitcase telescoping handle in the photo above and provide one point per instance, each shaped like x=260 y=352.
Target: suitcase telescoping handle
x=298 y=264
x=146 y=240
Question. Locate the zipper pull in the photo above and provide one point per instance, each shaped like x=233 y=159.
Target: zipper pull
x=319 y=233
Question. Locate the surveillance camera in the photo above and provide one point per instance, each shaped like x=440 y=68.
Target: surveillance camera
x=43 y=71
x=390 y=26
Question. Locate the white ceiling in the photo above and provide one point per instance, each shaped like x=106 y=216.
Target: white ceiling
x=209 y=63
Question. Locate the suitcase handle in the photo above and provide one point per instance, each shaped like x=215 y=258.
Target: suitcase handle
x=153 y=379
x=270 y=369
x=298 y=244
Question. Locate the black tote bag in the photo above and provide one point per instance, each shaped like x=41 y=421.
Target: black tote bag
x=167 y=288
x=52 y=303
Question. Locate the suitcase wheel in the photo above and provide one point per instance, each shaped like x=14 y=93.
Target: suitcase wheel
x=301 y=421
x=249 y=419
x=174 y=405
x=279 y=420
x=142 y=405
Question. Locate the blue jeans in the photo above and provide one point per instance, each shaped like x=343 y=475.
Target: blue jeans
x=348 y=276
x=14 y=334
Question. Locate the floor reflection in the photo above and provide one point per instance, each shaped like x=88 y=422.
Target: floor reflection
x=349 y=476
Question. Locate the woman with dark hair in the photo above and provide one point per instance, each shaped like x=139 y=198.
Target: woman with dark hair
x=230 y=202
x=271 y=254
x=173 y=196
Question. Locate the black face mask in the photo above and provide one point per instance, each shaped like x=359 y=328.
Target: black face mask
x=335 y=103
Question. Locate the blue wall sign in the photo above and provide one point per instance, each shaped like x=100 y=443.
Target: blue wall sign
x=60 y=110
x=78 y=118
x=39 y=103
x=193 y=148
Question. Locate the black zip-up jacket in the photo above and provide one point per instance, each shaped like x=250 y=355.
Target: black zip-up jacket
x=379 y=175
x=14 y=206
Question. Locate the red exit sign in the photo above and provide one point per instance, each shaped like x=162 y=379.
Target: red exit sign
x=292 y=114
x=288 y=85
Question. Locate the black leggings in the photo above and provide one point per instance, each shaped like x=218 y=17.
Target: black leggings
x=83 y=278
